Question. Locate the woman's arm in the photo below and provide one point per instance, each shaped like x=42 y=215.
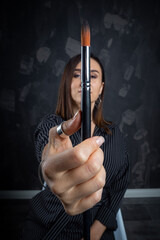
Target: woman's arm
x=108 y=210
x=74 y=174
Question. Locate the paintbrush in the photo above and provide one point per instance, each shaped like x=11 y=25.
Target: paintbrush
x=85 y=105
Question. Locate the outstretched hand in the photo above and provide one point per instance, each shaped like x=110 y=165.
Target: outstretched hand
x=74 y=174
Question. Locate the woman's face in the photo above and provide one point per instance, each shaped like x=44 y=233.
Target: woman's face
x=96 y=83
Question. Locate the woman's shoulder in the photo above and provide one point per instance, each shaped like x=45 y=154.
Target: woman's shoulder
x=114 y=126
x=117 y=139
x=116 y=131
x=51 y=118
x=48 y=121
x=119 y=135
x=110 y=126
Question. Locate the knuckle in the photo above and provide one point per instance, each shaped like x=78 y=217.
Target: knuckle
x=45 y=169
x=104 y=173
x=69 y=209
x=78 y=156
x=67 y=199
x=101 y=178
x=48 y=170
x=57 y=190
x=97 y=196
x=100 y=182
x=93 y=167
x=100 y=154
x=51 y=132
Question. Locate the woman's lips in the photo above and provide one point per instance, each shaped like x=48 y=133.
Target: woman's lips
x=81 y=91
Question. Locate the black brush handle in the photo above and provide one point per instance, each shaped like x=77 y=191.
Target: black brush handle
x=86 y=119
x=85 y=94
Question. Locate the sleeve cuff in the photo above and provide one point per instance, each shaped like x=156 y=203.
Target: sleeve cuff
x=107 y=218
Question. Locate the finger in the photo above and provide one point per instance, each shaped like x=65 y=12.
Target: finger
x=85 y=189
x=69 y=127
x=84 y=204
x=75 y=157
x=90 y=201
x=85 y=172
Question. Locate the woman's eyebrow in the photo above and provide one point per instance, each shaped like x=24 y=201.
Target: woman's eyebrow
x=95 y=71
x=79 y=70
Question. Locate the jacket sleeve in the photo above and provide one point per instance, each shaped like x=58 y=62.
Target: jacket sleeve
x=114 y=194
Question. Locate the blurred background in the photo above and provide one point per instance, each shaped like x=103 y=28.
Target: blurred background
x=37 y=38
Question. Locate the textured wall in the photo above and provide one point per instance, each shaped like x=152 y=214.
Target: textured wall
x=38 y=38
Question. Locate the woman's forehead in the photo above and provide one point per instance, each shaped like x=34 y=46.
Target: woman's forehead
x=94 y=65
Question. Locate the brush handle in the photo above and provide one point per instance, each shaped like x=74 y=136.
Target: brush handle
x=85 y=93
x=86 y=118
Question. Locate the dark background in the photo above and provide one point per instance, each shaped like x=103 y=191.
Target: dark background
x=37 y=38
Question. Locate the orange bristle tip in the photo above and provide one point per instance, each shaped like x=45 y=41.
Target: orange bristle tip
x=85 y=34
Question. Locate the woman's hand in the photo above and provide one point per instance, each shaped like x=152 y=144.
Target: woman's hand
x=74 y=174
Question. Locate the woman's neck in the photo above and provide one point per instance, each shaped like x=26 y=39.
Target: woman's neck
x=92 y=128
x=76 y=108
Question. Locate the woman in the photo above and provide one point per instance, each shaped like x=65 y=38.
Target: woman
x=79 y=175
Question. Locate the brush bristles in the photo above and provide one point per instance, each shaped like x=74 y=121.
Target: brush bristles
x=85 y=35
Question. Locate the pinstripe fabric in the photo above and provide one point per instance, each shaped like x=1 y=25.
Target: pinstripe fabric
x=46 y=209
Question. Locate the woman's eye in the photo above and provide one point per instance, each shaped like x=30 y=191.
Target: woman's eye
x=77 y=75
x=93 y=76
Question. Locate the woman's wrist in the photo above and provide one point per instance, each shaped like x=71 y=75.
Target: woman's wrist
x=97 y=230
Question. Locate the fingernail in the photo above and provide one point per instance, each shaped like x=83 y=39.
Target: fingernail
x=75 y=114
x=100 y=140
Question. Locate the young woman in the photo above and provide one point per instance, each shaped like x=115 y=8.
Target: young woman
x=79 y=175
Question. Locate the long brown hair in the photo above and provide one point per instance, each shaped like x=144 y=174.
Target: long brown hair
x=64 y=96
